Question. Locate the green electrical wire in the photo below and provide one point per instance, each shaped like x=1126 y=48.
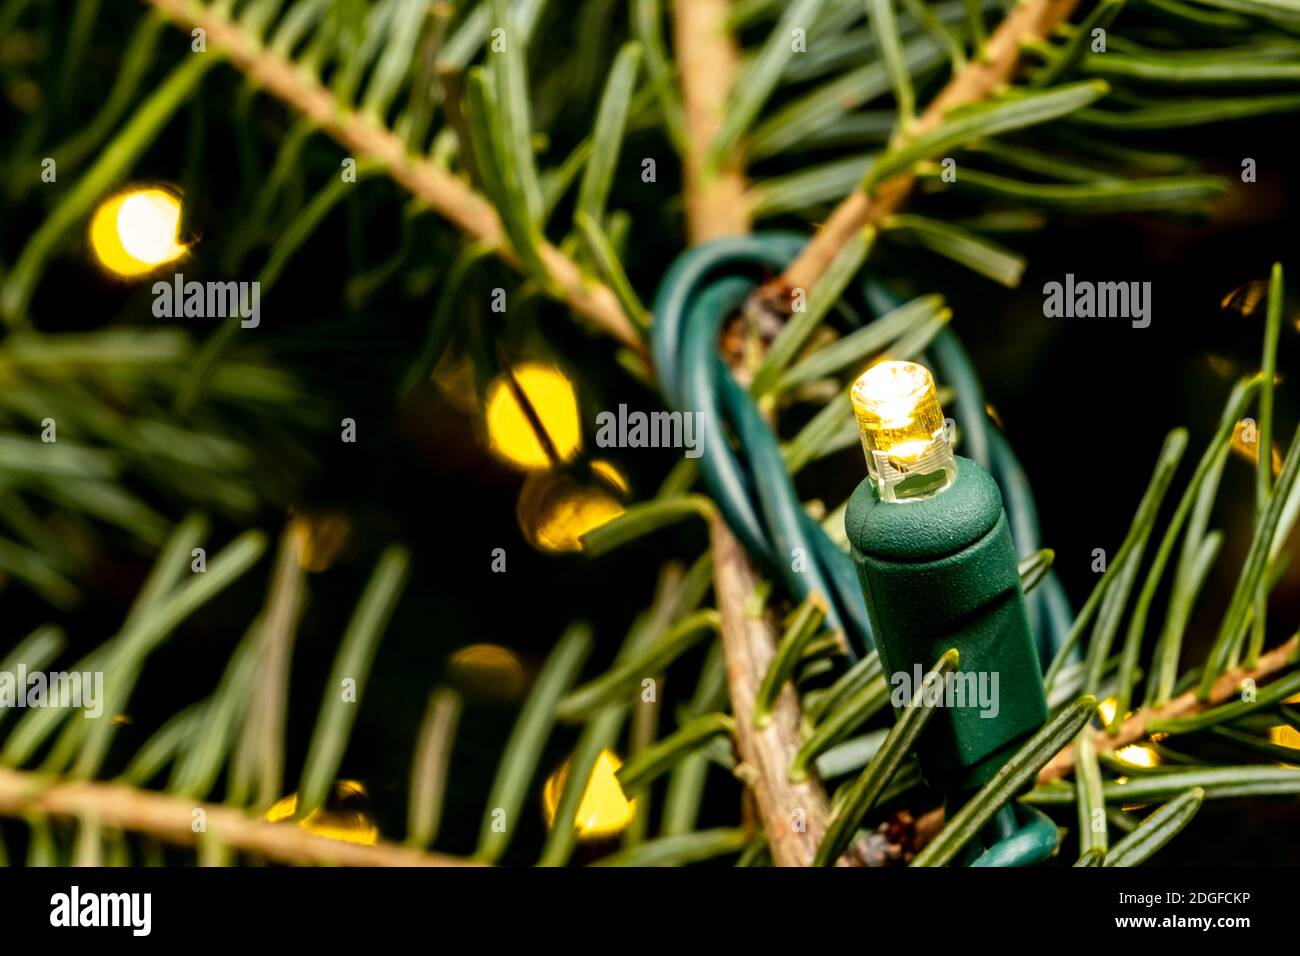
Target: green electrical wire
x=756 y=496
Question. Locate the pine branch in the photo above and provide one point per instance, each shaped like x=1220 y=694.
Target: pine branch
x=715 y=207
x=979 y=79
x=707 y=58
x=170 y=818
x=364 y=138
x=1135 y=726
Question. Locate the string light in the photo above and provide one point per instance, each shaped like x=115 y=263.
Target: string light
x=556 y=508
x=345 y=815
x=136 y=231
x=937 y=566
x=513 y=435
x=1135 y=755
x=604 y=809
x=1245 y=442
x=903 y=431
x=488 y=670
x=1284 y=735
x=1246 y=299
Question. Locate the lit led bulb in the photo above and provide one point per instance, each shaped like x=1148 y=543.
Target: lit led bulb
x=903 y=431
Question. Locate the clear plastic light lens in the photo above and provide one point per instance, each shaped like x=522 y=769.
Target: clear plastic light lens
x=903 y=431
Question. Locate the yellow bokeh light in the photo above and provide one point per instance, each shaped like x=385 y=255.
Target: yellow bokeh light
x=1284 y=735
x=1245 y=442
x=345 y=815
x=488 y=670
x=136 y=231
x=555 y=509
x=318 y=537
x=1136 y=755
x=512 y=435
x=604 y=809
x=1246 y=300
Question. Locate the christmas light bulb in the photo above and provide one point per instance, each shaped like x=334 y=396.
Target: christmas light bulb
x=556 y=508
x=1284 y=735
x=903 y=430
x=135 y=232
x=1137 y=755
x=345 y=816
x=604 y=809
x=939 y=573
x=513 y=432
x=487 y=670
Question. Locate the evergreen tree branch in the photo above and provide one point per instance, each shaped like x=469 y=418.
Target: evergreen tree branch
x=707 y=59
x=171 y=819
x=1135 y=726
x=363 y=137
x=979 y=79
x=793 y=815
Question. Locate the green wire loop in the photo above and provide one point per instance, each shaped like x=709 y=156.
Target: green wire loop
x=1033 y=841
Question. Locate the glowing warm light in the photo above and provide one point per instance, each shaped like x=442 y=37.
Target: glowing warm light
x=1246 y=299
x=318 y=538
x=1284 y=735
x=488 y=670
x=1136 y=755
x=345 y=815
x=903 y=430
x=1245 y=442
x=555 y=509
x=134 y=232
x=610 y=474
x=604 y=809
x=513 y=435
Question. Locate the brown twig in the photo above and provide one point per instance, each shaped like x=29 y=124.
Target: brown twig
x=979 y=79
x=706 y=55
x=171 y=819
x=441 y=191
x=793 y=815
x=1135 y=725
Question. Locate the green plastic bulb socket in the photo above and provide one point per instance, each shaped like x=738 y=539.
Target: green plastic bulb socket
x=940 y=572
